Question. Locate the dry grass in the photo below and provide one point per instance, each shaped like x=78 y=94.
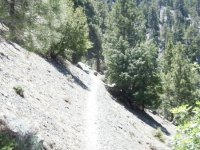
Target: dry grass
x=159 y=134
x=26 y=55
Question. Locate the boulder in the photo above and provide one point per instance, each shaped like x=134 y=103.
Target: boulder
x=79 y=65
x=95 y=73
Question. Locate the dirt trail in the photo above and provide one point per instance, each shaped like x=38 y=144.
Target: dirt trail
x=91 y=116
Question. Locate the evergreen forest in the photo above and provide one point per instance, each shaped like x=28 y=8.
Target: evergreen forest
x=149 y=50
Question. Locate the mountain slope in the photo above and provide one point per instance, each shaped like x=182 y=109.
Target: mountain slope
x=45 y=87
x=69 y=108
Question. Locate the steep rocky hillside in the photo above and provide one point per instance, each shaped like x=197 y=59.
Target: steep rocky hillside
x=69 y=108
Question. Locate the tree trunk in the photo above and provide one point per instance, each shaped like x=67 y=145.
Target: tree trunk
x=198 y=7
x=98 y=62
x=12 y=7
x=74 y=58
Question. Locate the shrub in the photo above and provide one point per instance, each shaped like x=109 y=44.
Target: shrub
x=29 y=141
x=159 y=134
x=69 y=77
x=19 y=90
x=188 y=130
x=12 y=141
x=6 y=143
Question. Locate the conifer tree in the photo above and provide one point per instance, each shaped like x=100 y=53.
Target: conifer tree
x=131 y=65
x=74 y=34
x=43 y=26
x=180 y=5
x=124 y=30
x=198 y=7
x=153 y=19
x=96 y=11
x=179 y=79
x=190 y=43
x=17 y=15
x=169 y=16
x=153 y=22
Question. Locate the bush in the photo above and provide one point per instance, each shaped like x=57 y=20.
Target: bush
x=12 y=141
x=159 y=134
x=29 y=141
x=188 y=130
x=6 y=143
x=69 y=77
x=19 y=90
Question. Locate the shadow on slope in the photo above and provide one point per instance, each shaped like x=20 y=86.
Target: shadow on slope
x=142 y=115
x=146 y=118
x=61 y=66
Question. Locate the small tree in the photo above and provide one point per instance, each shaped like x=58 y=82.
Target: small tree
x=74 y=35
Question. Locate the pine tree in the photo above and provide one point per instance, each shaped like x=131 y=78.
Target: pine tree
x=97 y=29
x=26 y=20
x=190 y=43
x=17 y=15
x=124 y=30
x=131 y=65
x=169 y=16
x=153 y=22
x=75 y=33
x=43 y=26
x=179 y=79
x=180 y=5
x=128 y=22
x=96 y=11
x=198 y=7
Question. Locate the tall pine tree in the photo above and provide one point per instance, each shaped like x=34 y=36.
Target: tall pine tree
x=179 y=79
x=131 y=65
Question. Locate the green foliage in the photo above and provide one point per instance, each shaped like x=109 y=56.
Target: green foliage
x=28 y=141
x=19 y=90
x=180 y=83
x=69 y=28
x=69 y=77
x=134 y=72
x=159 y=134
x=6 y=143
x=74 y=34
x=46 y=26
x=96 y=12
x=169 y=15
x=142 y=69
x=191 y=40
x=126 y=21
x=130 y=64
x=188 y=131
x=153 y=20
